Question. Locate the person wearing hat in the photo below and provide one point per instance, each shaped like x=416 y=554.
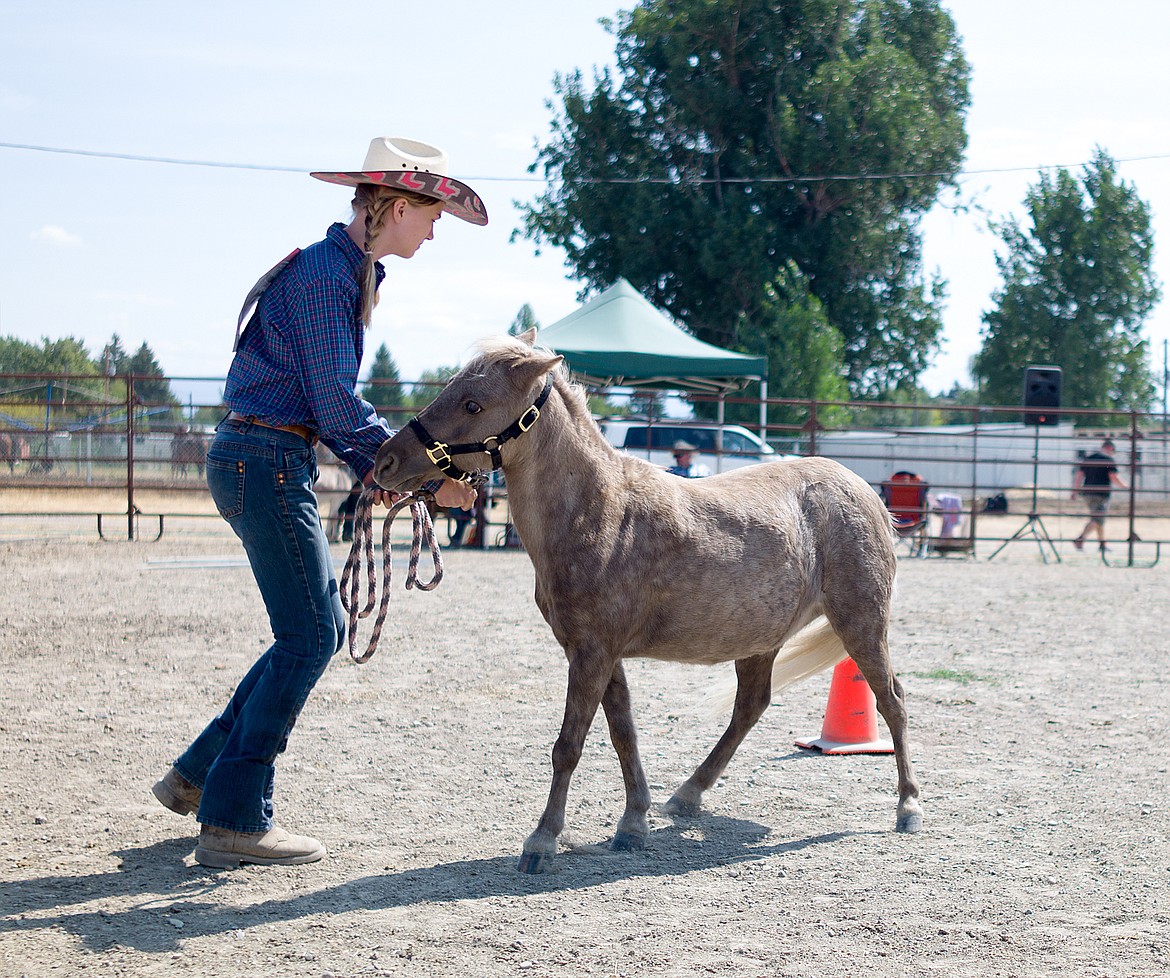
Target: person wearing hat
x=684 y=463
x=292 y=381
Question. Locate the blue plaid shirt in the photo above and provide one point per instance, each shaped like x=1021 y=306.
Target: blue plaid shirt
x=298 y=360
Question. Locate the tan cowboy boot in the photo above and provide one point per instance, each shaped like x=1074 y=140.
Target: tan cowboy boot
x=177 y=793
x=225 y=849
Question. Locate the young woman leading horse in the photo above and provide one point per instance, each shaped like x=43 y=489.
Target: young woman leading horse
x=633 y=562
x=291 y=383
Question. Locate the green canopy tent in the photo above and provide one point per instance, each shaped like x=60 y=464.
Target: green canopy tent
x=619 y=339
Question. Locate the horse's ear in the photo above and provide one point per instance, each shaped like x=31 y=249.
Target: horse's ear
x=535 y=366
x=528 y=337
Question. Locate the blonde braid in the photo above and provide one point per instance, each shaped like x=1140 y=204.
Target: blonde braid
x=375 y=200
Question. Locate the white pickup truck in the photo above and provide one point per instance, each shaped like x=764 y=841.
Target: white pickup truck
x=720 y=447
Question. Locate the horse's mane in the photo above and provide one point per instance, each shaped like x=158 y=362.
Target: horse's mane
x=509 y=351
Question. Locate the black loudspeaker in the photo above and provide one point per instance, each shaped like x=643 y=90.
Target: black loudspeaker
x=1041 y=395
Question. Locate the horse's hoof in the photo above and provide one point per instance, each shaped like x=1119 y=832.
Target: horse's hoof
x=532 y=863
x=628 y=842
x=677 y=808
x=910 y=822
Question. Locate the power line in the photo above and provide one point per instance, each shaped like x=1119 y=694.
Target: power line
x=802 y=178
x=57 y=150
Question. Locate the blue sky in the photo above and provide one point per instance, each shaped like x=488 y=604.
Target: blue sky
x=164 y=253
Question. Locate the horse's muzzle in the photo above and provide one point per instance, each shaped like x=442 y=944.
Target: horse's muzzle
x=392 y=471
x=386 y=466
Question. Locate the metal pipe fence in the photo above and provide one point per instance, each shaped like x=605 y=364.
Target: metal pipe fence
x=116 y=451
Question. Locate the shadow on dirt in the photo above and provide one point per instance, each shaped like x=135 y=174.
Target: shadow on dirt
x=168 y=893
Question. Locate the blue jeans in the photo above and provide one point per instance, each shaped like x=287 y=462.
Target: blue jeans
x=261 y=480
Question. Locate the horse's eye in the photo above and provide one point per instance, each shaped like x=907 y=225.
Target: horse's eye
x=472 y=407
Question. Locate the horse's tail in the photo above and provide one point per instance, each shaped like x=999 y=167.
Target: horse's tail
x=811 y=650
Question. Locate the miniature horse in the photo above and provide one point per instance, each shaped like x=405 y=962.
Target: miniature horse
x=631 y=561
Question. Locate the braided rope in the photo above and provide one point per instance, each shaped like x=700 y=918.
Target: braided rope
x=363 y=541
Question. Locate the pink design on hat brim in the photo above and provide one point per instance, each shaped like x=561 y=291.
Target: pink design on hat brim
x=456 y=197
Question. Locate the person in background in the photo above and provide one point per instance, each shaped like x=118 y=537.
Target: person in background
x=292 y=381
x=462 y=518
x=684 y=463
x=1094 y=479
x=347 y=511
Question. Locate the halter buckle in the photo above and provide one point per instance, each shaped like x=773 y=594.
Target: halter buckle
x=439 y=456
x=528 y=418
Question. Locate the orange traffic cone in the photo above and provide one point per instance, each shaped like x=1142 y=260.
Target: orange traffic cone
x=850 y=725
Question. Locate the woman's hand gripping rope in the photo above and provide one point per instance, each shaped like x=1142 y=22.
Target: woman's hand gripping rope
x=363 y=540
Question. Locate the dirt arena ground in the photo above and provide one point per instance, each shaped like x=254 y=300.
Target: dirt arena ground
x=1040 y=711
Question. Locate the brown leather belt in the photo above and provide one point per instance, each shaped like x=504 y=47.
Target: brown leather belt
x=297 y=429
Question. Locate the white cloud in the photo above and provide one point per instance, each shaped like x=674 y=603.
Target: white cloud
x=56 y=236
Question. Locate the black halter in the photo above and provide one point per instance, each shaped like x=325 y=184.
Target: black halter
x=441 y=454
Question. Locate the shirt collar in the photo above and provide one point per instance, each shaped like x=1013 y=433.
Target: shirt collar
x=338 y=234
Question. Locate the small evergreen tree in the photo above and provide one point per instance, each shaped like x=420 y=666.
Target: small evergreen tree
x=113 y=358
x=150 y=386
x=383 y=388
x=524 y=321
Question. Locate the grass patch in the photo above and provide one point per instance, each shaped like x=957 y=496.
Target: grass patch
x=954 y=676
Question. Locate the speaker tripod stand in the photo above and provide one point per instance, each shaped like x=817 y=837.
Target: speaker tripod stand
x=1034 y=525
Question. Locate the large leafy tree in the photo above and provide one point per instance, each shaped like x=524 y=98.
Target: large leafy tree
x=804 y=350
x=53 y=372
x=56 y=357
x=429 y=384
x=1077 y=287
x=65 y=364
x=738 y=136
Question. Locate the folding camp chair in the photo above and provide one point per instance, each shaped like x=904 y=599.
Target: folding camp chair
x=905 y=495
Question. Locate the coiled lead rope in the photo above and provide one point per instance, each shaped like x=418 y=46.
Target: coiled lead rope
x=363 y=540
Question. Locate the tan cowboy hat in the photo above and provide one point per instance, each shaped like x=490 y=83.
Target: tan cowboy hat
x=682 y=447
x=393 y=161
